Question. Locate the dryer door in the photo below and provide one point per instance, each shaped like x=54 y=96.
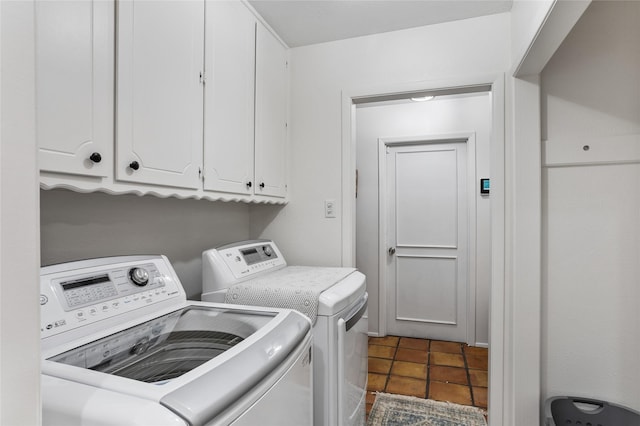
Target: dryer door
x=352 y=365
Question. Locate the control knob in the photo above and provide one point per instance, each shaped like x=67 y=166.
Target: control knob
x=267 y=250
x=139 y=276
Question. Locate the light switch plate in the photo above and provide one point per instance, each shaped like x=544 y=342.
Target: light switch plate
x=330 y=208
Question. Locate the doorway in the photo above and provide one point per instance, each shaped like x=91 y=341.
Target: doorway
x=448 y=119
x=425 y=217
x=494 y=236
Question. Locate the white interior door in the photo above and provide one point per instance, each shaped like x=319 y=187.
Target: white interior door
x=427 y=240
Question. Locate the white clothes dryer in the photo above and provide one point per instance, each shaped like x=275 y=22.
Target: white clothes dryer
x=122 y=345
x=335 y=300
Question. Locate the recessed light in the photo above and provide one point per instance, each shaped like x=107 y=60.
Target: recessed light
x=422 y=98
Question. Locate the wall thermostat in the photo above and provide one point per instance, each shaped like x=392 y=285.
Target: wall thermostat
x=485 y=186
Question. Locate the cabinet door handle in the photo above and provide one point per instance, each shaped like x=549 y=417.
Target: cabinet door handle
x=95 y=157
x=392 y=251
x=261 y=185
x=249 y=184
x=134 y=165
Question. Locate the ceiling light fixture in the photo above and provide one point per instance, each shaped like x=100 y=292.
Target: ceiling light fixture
x=422 y=98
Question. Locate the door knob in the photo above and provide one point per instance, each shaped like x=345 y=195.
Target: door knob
x=95 y=157
x=249 y=184
x=134 y=165
x=392 y=251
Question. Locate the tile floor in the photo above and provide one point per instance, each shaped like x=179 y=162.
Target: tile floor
x=444 y=371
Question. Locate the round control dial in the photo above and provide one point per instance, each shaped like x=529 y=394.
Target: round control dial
x=267 y=250
x=139 y=276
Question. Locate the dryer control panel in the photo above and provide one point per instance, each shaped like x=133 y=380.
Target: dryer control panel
x=78 y=293
x=227 y=265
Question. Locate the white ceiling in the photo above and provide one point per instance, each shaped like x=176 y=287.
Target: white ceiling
x=304 y=22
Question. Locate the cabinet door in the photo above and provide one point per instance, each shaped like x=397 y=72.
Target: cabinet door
x=74 y=86
x=271 y=114
x=229 y=97
x=159 y=92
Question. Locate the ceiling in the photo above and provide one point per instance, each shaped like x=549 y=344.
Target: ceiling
x=304 y=22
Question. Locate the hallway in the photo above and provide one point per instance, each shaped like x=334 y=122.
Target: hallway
x=443 y=371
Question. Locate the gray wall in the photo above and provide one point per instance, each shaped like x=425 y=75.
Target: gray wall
x=78 y=226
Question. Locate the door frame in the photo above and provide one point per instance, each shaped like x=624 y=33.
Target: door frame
x=469 y=138
x=500 y=374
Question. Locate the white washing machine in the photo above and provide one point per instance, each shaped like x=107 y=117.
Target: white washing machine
x=335 y=300
x=122 y=345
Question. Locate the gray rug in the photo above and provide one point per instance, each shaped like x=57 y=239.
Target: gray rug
x=400 y=410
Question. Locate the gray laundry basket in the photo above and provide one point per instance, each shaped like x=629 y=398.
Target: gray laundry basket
x=567 y=410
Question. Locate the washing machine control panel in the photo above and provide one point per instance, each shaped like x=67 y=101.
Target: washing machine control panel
x=83 y=292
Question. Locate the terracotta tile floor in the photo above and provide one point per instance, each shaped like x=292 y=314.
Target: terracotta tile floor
x=444 y=371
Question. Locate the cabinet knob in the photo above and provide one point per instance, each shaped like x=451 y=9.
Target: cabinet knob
x=249 y=184
x=134 y=165
x=261 y=185
x=95 y=157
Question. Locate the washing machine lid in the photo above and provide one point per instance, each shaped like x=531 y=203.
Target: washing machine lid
x=196 y=361
x=169 y=346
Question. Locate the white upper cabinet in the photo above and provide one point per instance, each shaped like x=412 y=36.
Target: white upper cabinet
x=74 y=86
x=271 y=114
x=159 y=92
x=229 y=97
x=199 y=89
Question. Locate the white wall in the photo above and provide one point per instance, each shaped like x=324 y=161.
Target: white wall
x=79 y=226
x=447 y=115
x=591 y=209
x=320 y=73
x=527 y=16
x=537 y=29
x=19 y=262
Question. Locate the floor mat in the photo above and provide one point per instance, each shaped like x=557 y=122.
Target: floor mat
x=400 y=410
